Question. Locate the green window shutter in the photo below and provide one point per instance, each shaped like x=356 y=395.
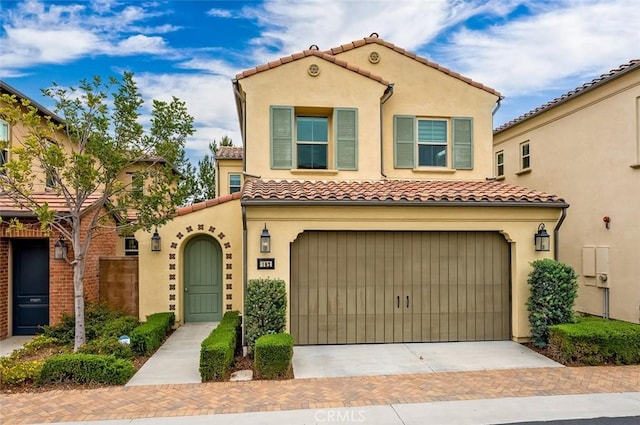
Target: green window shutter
x=463 y=143
x=404 y=141
x=346 y=130
x=281 y=137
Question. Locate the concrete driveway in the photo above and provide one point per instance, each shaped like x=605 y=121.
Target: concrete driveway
x=332 y=361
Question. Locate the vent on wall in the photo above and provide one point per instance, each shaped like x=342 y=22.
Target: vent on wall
x=374 y=57
x=314 y=70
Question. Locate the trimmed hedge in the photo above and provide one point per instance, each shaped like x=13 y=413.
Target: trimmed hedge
x=273 y=354
x=149 y=336
x=217 y=350
x=86 y=368
x=595 y=341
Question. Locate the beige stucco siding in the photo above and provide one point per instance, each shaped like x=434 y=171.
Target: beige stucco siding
x=518 y=226
x=583 y=150
x=335 y=87
x=226 y=167
x=427 y=92
x=160 y=270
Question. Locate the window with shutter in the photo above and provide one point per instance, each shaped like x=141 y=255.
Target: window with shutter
x=404 y=141
x=346 y=131
x=432 y=143
x=463 y=143
x=312 y=137
x=281 y=137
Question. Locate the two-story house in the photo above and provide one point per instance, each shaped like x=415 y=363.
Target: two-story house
x=365 y=188
x=585 y=146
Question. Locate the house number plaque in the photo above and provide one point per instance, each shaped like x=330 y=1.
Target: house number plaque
x=266 y=263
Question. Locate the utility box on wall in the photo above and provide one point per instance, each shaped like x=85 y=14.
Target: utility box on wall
x=602 y=266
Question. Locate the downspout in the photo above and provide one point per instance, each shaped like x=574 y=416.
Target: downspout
x=241 y=106
x=244 y=279
x=388 y=92
x=496 y=106
x=556 y=233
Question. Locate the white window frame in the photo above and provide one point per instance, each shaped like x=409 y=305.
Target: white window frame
x=4 y=152
x=500 y=163
x=131 y=252
x=524 y=156
x=48 y=179
x=325 y=144
x=446 y=144
x=232 y=186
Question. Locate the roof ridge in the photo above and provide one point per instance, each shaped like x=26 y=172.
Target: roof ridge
x=207 y=204
x=571 y=94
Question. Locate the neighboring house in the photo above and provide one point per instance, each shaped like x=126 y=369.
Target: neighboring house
x=35 y=288
x=229 y=177
x=585 y=146
x=366 y=166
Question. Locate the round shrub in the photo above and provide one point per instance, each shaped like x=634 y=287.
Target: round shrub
x=265 y=309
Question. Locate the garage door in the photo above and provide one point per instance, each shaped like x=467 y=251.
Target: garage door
x=375 y=287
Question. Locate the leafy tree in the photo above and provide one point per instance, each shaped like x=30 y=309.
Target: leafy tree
x=200 y=181
x=101 y=122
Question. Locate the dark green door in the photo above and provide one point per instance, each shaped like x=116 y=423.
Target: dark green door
x=30 y=285
x=202 y=280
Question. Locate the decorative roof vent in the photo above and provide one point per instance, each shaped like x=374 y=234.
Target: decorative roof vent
x=314 y=47
x=374 y=35
x=374 y=57
x=314 y=70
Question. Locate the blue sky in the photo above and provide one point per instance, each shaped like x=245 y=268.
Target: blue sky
x=530 y=51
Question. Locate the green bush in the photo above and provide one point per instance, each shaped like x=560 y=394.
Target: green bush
x=18 y=372
x=273 y=354
x=106 y=346
x=553 y=291
x=86 y=368
x=149 y=336
x=595 y=341
x=217 y=350
x=265 y=309
x=119 y=326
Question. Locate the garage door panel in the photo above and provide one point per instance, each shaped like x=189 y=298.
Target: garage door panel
x=353 y=287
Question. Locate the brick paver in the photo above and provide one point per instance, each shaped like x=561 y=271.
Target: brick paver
x=234 y=397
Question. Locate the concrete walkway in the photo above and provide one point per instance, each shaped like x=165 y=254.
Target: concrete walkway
x=332 y=361
x=398 y=393
x=177 y=360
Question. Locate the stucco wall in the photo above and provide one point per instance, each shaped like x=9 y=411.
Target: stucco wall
x=518 y=225
x=224 y=168
x=583 y=151
x=161 y=273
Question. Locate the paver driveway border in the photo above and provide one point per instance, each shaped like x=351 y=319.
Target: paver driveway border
x=322 y=393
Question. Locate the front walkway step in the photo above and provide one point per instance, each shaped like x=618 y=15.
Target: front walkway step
x=178 y=360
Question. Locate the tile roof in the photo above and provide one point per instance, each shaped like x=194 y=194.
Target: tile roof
x=632 y=65
x=230 y=152
x=306 y=53
x=56 y=203
x=417 y=192
x=4 y=87
x=377 y=40
x=207 y=204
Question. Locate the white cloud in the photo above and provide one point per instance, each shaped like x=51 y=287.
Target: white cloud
x=540 y=52
x=139 y=44
x=219 y=13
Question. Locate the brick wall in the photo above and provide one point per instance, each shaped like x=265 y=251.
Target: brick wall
x=4 y=287
x=119 y=283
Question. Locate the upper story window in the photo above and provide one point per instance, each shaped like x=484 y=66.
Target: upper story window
x=427 y=142
x=235 y=183
x=137 y=185
x=314 y=138
x=500 y=164
x=4 y=144
x=525 y=156
x=432 y=143
x=130 y=246
x=49 y=181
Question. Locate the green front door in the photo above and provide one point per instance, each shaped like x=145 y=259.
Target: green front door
x=202 y=280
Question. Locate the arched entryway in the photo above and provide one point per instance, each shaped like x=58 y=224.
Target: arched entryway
x=202 y=280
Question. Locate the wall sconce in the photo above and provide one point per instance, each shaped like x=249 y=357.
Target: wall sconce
x=542 y=239
x=155 y=242
x=60 y=249
x=265 y=240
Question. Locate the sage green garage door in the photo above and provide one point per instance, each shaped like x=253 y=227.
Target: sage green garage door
x=376 y=287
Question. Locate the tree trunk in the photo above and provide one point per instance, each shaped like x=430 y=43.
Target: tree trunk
x=78 y=291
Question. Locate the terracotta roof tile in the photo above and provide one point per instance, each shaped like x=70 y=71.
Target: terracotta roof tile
x=206 y=204
x=377 y=40
x=632 y=65
x=56 y=203
x=425 y=192
x=296 y=56
x=230 y=152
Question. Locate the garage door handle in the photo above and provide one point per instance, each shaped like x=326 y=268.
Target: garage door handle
x=407 y=301
x=398 y=301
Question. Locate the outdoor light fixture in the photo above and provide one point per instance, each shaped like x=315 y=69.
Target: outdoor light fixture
x=265 y=240
x=155 y=242
x=542 y=239
x=60 y=249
